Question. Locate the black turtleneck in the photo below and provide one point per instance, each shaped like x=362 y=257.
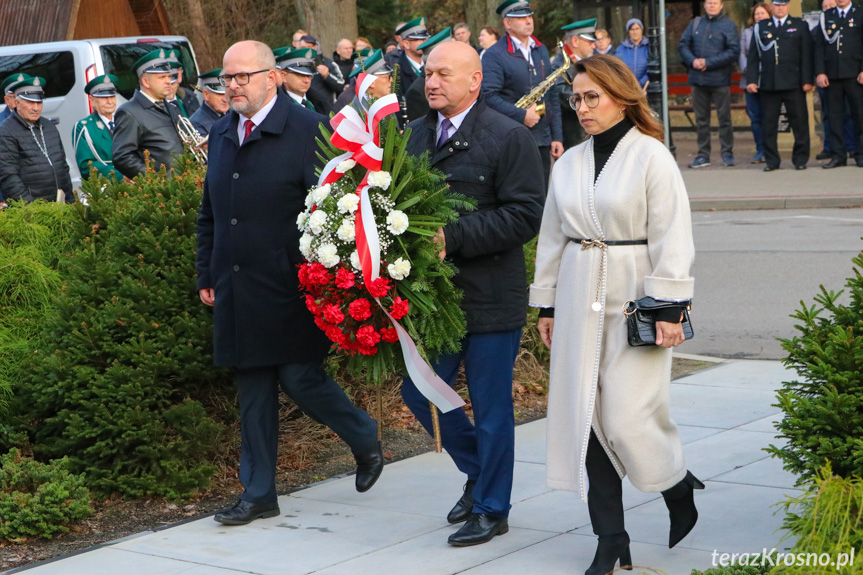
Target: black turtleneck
x=604 y=144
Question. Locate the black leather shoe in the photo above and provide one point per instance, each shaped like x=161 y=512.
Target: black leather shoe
x=480 y=528
x=369 y=467
x=608 y=551
x=245 y=512
x=824 y=155
x=464 y=507
x=769 y=168
x=681 y=507
x=834 y=163
x=799 y=166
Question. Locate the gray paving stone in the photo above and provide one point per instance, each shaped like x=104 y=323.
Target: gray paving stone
x=743 y=373
x=709 y=406
x=112 y=561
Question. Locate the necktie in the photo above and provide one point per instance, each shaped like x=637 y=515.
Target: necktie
x=248 y=126
x=842 y=14
x=444 y=132
x=111 y=125
x=308 y=105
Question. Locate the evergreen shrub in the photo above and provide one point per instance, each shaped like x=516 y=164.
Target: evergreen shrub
x=123 y=379
x=823 y=419
x=38 y=499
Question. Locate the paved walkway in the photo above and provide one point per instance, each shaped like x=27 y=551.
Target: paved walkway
x=725 y=418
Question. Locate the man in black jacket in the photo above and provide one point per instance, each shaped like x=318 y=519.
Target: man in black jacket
x=215 y=103
x=327 y=83
x=494 y=160
x=782 y=47
x=147 y=122
x=410 y=62
x=32 y=160
x=839 y=68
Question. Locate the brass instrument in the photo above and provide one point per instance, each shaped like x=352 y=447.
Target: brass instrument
x=540 y=89
x=193 y=139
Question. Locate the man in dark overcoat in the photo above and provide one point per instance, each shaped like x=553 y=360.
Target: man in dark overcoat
x=511 y=68
x=410 y=62
x=782 y=48
x=261 y=164
x=494 y=160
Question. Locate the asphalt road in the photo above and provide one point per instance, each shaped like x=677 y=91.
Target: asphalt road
x=752 y=269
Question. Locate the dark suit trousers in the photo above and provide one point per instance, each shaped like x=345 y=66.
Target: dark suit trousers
x=545 y=154
x=316 y=394
x=798 y=118
x=484 y=450
x=837 y=92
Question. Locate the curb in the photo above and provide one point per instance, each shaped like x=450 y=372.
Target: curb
x=774 y=203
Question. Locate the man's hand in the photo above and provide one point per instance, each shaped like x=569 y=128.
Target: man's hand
x=822 y=82
x=808 y=87
x=323 y=71
x=556 y=149
x=752 y=88
x=531 y=118
x=860 y=78
x=545 y=325
x=699 y=64
x=208 y=296
x=440 y=241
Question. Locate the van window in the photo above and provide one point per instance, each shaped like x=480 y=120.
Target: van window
x=118 y=59
x=57 y=68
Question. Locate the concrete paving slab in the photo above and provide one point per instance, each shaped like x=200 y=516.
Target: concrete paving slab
x=112 y=561
x=431 y=555
x=709 y=406
x=749 y=374
x=764 y=473
x=725 y=451
x=530 y=441
x=692 y=433
x=764 y=425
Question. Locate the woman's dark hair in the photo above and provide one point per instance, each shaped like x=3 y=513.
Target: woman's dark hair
x=493 y=31
x=755 y=7
x=619 y=83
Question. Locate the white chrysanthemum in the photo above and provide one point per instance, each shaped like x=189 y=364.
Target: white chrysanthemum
x=399 y=269
x=310 y=199
x=349 y=203
x=306 y=245
x=380 y=180
x=344 y=166
x=301 y=220
x=317 y=221
x=321 y=193
x=328 y=255
x=346 y=231
x=397 y=222
x=355 y=260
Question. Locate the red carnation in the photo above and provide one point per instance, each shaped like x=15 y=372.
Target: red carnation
x=333 y=314
x=360 y=309
x=389 y=335
x=368 y=336
x=400 y=308
x=311 y=305
x=319 y=321
x=318 y=274
x=379 y=288
x=304 y=275
x=367 y=350
x=344 y=279
x=336 y=335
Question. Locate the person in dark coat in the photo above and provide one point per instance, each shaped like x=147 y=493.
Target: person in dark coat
x=147 y=122
x=327 y=83
x=709 y=47
x=633 y=50
x=343 y=57
x=579 y=43
x=297 y=68
x=779 y=68
x=494 y=160
x=262 y=162
x=410 y=62
x=376 y=65
x=32 y=160
x=512 y=68
x=8 y=96
x=415 y=99
x=839 y=69
x=215 y=103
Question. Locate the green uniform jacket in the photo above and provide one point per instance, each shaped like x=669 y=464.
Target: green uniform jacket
x=92 y=141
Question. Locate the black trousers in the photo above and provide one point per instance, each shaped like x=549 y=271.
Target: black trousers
x=837 y=92
x=316 y=394
x=545 y=154
x=798 y=118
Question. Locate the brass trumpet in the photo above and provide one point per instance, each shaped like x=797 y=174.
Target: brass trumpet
x=193 y=139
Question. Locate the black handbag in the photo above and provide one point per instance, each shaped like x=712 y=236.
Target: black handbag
x=641 y=320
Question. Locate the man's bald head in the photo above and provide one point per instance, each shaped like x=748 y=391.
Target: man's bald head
x=453 y=76
x=253 y=51
x=254 y=64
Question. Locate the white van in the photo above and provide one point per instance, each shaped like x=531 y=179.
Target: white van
x=68 y=66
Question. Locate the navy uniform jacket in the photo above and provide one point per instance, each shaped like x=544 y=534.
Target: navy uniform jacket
x=415 y=100
x=204 y=119
x=788 y=64
x=248 y=242
x=507 y=76
x=139 y=125
x=573 y=133
x=495 y=161
x=407 y=75
x=843 y=58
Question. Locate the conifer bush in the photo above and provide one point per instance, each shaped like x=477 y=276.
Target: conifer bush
x=823 y=419
x=38 y=499
x=125 y=373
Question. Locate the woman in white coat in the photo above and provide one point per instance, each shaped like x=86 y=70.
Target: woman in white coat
x=616 y=227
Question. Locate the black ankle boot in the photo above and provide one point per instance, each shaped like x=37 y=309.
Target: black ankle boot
x=608 y=551
x=681 y=507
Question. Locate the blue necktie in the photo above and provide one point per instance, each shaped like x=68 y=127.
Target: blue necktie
x=444 y=132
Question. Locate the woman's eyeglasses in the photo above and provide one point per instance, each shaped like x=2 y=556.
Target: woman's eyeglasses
x=241 y=79
x=590 y=98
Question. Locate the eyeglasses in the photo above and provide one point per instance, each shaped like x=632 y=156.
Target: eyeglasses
x=241 y=79
x=590 y=98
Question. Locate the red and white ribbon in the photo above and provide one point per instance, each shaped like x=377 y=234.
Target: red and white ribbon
x=361 y=142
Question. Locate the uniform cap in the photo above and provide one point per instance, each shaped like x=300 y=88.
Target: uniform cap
x=442 y=36
x=298 y=60
x=155 y=62
x=102 y=86
x=210 y=81
x=514 y=9
x=585 y=28
x=414 y=30
x=372 y=64
x=29 y=89
x=7 y=84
